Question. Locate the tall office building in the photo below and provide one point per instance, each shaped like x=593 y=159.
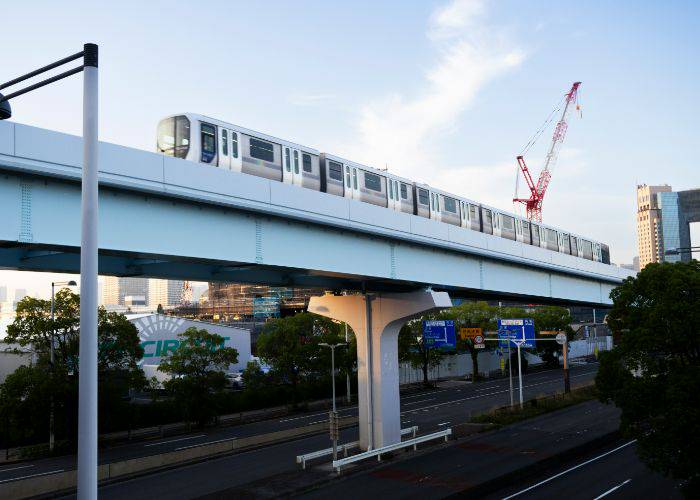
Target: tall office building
x=663 y=223
x=3 y=294
x=166 y=293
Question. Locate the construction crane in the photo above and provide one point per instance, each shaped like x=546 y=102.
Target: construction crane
x=533 y=204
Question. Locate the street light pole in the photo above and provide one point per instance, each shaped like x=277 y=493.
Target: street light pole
x=334 y=413
x=87 y=411
x=347 y=375
x=87 y=398
x=52 y=358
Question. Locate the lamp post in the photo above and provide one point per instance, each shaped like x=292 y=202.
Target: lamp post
x=87 y=386
x=51 y=357
x=334 y=413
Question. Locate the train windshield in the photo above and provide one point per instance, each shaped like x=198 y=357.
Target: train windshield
x=174 y=136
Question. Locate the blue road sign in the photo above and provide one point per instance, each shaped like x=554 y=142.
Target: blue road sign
x=516 y=330
x=439 y=333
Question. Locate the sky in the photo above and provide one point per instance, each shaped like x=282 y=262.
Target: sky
x=443 y=92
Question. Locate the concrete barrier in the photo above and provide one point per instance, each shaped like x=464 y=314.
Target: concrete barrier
x=67 y=480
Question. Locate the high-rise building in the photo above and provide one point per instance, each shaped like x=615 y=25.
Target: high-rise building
x=648 y=222
x=3 y=294
x=164 y=292
x=110 y=291
x=663 y=223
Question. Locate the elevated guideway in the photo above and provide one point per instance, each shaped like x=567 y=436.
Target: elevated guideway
x=170 y=218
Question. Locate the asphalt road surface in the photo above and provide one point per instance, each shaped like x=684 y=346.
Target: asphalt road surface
x=452 y=403
x=613 y=472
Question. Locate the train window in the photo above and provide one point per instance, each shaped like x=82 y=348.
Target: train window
x=536 y=235
x=262 y=150
x=208 y=142
x=472 y=212
x=166 y=136
x=566 y=243
x=347 y=175
x=526 y=232
x=335 y=172
x=552 y=238
x=296 y=161
x=182 y=136
x=404 y=192
x=587 y=248
x=450 y=204
x=436 y=202
x=488 y=220
x=508 y=222
x=574 y=245
x=373 y=182
x=234 y=144
x=306 y=162
x=423 y=197
x=224 y=142
x=287 y=160
x=354 y=178
x=391 y=190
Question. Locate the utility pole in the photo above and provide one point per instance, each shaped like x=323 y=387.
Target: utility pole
x=347 y=375
x=334 y=414
x=87 y=397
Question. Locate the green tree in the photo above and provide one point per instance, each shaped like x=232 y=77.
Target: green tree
x=414 y=351
x=160 y=309
x=552 y=318
x=118 y=353
x=197 y=370
x=291 y=347
x=653 y=374
x=474 y=315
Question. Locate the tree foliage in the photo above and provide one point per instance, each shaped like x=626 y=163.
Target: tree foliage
x=653 y=374
x=291 y=347
x=413 y=350
x=27 y=391
x=198 y=372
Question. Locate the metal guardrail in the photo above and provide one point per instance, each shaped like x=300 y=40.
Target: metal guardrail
x=302 y=459
x=377 y=452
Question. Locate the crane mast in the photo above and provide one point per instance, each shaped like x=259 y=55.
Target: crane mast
x=533 y=205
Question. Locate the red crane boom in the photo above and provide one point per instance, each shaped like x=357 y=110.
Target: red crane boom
x=533 y=204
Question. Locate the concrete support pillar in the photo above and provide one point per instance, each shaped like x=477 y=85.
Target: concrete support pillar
x=376 y=320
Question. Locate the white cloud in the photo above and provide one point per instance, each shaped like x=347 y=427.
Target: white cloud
x=310 y=99
x=399 y=130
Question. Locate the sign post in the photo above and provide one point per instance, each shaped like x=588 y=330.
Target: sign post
x=562 y=340
x=520 y=332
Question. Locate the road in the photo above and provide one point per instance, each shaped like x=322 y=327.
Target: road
x=454 y=402
x=611 y=472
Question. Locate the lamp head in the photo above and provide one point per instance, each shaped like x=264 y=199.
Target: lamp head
x=72 y=283
x=5 y=109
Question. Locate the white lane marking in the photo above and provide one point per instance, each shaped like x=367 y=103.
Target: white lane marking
x=444 y=423
x=453 y=401
x=16 y=468
x=424 y=394
x=419 y=401
x=606 y=493
x=311 y=415
x=174 y=440
x=31 y=475
x=570 y=469
x=204 y=444
x=317 y=422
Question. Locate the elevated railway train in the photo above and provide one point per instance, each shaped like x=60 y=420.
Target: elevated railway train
x=206 y=140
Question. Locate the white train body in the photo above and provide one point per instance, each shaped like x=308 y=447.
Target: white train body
x=206 y=140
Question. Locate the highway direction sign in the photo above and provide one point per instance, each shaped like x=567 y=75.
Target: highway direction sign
x=469 y=333
x=519 y=331
x=439 y=333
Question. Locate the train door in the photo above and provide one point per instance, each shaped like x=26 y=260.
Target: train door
x=235 y=160
x=224 y=160
x=291 y=171
x=355 y=191
x=207 y=143
x=393 y=194
x=463 y=214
